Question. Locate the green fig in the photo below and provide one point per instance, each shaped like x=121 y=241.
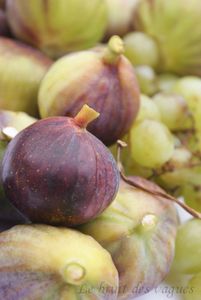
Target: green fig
x=141 y=49
x=120 y=15
x=175 y=26
x=139 y=231
x=101 y=77
x=21 y=70
x=57 y=27
x=166 y=82
x=44 y=262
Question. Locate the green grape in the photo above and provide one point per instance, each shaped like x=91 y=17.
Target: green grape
x=193 y=290
x=187 y=258
x=174 y=111
x=148 y=109
x=166 y=82
x=151 y=143
x=141 y=49
x=147 y=80
x=190 y=88
x=192 y=195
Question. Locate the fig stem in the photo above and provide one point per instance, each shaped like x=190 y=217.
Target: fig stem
x=114 y=49
x=85 y=116
x=163 y=194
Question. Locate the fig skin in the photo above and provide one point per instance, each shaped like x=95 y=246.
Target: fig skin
x=13 y=122
x=21 y=70
x=58 y=27
x=43 y=262
x=104 y=79
x=139 y=230
x=4 y=28
x=56 y=172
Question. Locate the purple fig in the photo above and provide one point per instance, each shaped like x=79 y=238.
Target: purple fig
x=56 y=172
x=102 y=78
x=4 y=28
x=139 y=231
x=21 y=71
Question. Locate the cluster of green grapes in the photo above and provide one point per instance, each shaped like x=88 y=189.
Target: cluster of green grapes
x=164 y=143
x=186 y=267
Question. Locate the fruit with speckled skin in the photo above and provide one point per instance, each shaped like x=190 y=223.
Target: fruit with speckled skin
x=44 y=262
x=102 y=78
x=56 y=172
x=139 y=230
x=57 y=27
x=21 y=70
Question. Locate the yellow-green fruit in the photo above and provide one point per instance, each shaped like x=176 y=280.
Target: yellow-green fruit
x=194 y=288
x=172 y=25
x=148 y=110
x=147 y=80
x=120 y=16
x=57 y=27
x=166 y=82
x=139 y=231
x=21 y=71
x=188 y=248
x=43 y=262
x=141 y=49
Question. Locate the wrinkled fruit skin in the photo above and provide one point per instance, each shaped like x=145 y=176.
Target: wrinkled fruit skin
x=110 y=89
x=49 y=25
x=21 y=70
x=142 y=250
x=43 y=262
x=4 y=28
x=180 y=50
x=58 y=173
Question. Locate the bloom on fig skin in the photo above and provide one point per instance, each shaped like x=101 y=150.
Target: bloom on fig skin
x=44 y=262
x=57 y=27
x=21 y=70
x=104 y=79
x=56 y=172
x=139 y=231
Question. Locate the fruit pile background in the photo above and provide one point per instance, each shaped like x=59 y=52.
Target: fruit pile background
x=100 y=142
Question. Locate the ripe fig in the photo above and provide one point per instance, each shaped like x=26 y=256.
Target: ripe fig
x=57 y=27
x=21 y=70
x=104 y=79
x=43 y=262
x=120 y=16
x=172 y=25
x=56 y=172
x=139 y=231
x=4 y=28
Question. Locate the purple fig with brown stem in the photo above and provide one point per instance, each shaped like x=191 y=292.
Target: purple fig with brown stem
x=104 y=79
x=56 y=172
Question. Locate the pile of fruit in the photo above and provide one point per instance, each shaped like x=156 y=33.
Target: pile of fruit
x=100 y=143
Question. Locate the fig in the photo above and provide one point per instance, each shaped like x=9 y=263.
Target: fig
x=4 y=28
x=104 y=79
x=56 y=172
x=139 y=231
x=57 y=27
x=141 y=49
x=21 y=70
x=172 y=25
x=44 y=262
x=120 y=16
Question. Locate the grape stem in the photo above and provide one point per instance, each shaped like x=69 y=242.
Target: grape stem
x=162 y=193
